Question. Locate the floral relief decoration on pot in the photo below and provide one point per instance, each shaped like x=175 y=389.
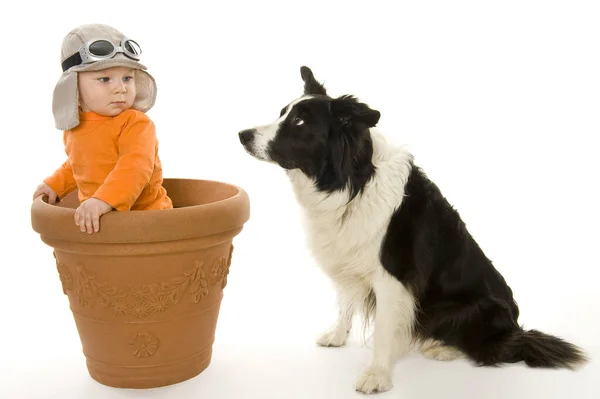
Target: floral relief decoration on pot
x=66 y=279
x=144 y=344
x=143 y=300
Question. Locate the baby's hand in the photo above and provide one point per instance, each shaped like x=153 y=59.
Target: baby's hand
x=45 y=189
x=87 y=215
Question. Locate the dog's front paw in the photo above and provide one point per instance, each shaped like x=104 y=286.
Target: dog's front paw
x=374 y=379
x=333 y=337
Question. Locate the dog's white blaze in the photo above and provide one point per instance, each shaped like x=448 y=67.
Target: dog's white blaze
x=266 y=133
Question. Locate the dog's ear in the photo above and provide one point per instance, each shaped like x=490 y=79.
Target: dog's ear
x=347 y=110
x=311 y=86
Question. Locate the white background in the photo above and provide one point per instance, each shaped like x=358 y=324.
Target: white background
x=499 y=101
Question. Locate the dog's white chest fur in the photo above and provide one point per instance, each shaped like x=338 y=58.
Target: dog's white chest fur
x=345 y=238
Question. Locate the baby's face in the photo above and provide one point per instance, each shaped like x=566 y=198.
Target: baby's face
x=107 y=92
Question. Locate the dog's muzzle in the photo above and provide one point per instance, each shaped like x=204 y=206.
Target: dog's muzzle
x=254 y=143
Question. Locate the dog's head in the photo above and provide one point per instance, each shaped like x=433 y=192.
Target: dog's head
x=326 y=138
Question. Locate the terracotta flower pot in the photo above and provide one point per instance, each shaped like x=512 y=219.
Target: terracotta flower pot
x=145 y=291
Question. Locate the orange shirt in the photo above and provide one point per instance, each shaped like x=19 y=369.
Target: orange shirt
x=114 y=159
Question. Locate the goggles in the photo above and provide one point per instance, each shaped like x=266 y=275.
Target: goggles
x=101 y=49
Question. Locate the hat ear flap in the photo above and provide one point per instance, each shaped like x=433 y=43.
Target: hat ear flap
x=145 y=87
x=65 y=102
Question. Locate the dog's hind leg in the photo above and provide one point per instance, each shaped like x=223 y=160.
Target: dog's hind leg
x=436 y=350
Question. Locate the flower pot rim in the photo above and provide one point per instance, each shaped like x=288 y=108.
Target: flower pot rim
x=146 y=226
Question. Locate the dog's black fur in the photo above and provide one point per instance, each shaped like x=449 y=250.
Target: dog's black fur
x=463 y=300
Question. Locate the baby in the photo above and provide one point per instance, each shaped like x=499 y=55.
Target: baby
x=112 y=151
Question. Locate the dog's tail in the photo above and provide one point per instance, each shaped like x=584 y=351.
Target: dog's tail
x=535 y=348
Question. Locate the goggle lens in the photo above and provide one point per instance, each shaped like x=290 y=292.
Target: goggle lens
x=101 y=48
x=132 y=47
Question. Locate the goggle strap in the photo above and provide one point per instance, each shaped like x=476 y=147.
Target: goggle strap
x=73 y=60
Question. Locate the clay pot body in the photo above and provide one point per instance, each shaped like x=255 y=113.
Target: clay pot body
x=145 y=291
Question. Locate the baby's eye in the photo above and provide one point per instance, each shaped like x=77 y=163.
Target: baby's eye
x=128 y=78
x=104 y=80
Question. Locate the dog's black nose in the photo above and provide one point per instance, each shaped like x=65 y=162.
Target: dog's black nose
x=246 y=136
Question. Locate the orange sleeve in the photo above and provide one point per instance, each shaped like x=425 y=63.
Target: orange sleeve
x=137 y=148
x=62 y=180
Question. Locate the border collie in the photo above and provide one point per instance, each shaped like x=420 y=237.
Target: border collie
x=395 y=249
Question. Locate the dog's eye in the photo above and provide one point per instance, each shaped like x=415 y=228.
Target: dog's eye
x=298 y=121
